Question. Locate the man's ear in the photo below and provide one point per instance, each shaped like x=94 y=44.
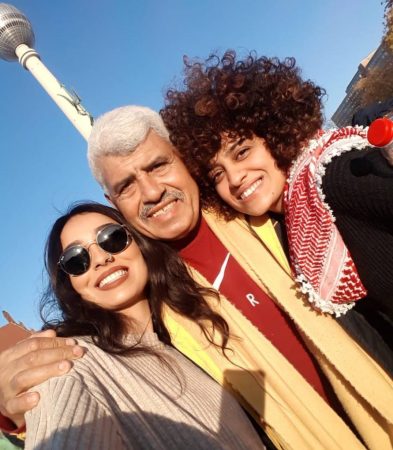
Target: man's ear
x=109 y=200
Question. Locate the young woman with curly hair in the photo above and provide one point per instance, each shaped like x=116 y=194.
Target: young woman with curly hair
x=249 y=130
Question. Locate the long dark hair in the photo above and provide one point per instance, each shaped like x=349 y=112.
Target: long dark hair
x=63 y=309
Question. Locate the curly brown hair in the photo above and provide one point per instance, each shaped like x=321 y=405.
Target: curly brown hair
x=240 y=98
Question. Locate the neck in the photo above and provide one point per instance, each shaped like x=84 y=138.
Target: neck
x=140 y=317
x=182 y=243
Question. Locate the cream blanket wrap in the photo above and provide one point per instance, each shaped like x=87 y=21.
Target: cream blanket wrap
x=291 y=411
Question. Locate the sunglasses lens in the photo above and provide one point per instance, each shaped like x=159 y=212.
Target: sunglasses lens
x=75 y=260
x=113 y=238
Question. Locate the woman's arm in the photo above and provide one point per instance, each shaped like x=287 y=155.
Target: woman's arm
x=69 y=417
x=360 y=183
x=358 y=188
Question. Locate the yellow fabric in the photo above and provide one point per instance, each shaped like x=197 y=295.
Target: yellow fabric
x=291 y=411
x=264 y=229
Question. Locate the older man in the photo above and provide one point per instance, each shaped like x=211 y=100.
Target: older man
x=289 y=363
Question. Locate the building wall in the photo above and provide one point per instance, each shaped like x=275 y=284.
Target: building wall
x=11 y=333
x=351 y=102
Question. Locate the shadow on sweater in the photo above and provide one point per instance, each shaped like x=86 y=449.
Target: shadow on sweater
x=154 y=433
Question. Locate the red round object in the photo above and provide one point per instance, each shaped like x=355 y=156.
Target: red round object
x=380 y=132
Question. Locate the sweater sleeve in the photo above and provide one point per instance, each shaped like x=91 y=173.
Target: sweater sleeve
x=69 y=417
x=360 y=183
x=358 y=187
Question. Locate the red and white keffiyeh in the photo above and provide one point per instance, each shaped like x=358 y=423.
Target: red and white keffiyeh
x=320 y=260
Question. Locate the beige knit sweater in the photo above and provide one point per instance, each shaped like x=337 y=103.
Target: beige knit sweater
x=137 y=402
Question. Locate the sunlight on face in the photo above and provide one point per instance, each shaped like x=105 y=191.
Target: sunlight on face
x=153 y=189
x=115 y=282
x=246 y=176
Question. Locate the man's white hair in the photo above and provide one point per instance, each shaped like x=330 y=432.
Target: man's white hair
x=119 y=132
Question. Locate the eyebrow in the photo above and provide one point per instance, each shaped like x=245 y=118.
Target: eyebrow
x=158 y=160
x=146 y=168
x=127 y=180
x=234 y=145
x=228 y=150
x=79 y=242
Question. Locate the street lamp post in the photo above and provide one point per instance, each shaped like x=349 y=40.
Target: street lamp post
x=16 y=43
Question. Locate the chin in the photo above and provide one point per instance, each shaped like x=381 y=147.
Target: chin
x=175 y=233
x=173 y=237
x=256 y=212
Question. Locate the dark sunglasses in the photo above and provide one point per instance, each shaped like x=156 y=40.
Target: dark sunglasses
x=113 y=238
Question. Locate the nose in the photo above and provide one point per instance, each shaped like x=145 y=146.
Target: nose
x=151 y=190
x=98 y=256
x=235 y=176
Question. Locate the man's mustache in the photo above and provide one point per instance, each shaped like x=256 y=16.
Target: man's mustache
x=172 y=195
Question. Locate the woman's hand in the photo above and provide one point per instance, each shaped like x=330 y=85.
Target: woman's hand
x=28 y=364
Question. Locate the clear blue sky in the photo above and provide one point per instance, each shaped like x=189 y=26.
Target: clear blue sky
x=128 y=51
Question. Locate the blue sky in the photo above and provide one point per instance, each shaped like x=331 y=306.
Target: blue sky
x=128 y=51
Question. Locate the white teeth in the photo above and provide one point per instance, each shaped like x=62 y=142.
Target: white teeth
x=163 y=210
x=112 y=277
x=250 y=190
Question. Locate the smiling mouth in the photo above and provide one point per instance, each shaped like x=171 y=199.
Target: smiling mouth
x=244 y=195
x=111 y=278
x=165 y=209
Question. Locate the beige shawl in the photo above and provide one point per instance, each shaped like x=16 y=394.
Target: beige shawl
x=290 y=410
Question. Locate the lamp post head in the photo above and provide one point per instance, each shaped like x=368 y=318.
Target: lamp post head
x=15 y=29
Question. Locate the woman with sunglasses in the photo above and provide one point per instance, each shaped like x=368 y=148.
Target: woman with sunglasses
x=132 y=390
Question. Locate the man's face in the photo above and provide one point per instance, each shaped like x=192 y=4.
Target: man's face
x=153 y=189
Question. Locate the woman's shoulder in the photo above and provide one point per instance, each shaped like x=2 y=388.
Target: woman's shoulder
x=68 y=404
x=96 y=360
x=97 y=365
x=82 y=383
x=336 y=142
x=92 y=356
x=81 y=371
